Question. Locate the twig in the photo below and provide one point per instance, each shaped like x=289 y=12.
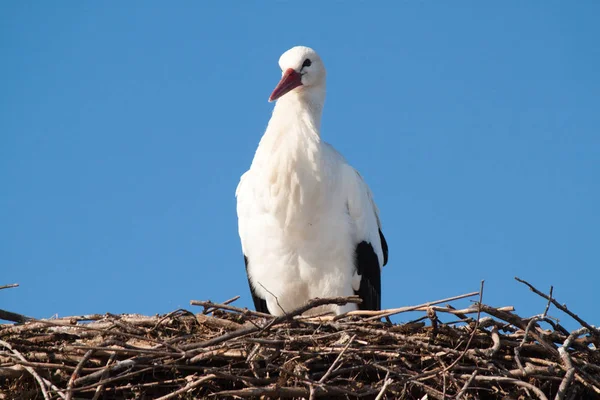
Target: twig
x=100 y=387
x=188 y=387
x=121 y=377
x=549 y=302
x=12 y=285
x=13 y=317
x=387 y=382
x=517 y=350
x=113 y=368
x=226 y=302
x=245 y=311
x=75 y=373
x=566 y=359
x=312 y=392
x=462 y=312
x=275 y=297
x=491 y=351
x=331 y=368
x=561 y=307
x=278 y=391
x=394 y=311
x=153 y=384
x=466 y=385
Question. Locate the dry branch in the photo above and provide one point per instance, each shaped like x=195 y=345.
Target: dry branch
x=561 y=307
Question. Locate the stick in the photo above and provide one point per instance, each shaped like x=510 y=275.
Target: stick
x=330 y=370
x=101 y=386
x=124 y=376
x=279 y=392
x=146 y=385
x=313 y=392
x=226 y=302
x=386 y=313
x=561 y=307
x=470 y=310
x=13 y=317
x=129 y=363
x=275 y=297
x=387 y=382
x=517 y=350
x=566 y=359
x=466 y=385
x=188 y=387
x=12 y=285
x=75 y=373
x=245 y=311
x=549 y=302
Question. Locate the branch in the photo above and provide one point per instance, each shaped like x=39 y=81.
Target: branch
x=12 y=285
x=375 y=315
x=387 y=382
x=568 y=364
x=561 y=307
x=188 y=387
x=330 y=370
x=13 y=317
x=210 y=306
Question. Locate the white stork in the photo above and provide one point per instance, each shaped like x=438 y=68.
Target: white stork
x=307 y=220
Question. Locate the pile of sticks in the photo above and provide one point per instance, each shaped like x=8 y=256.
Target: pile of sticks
x=228 y=352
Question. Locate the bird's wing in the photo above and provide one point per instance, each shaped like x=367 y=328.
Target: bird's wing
x=259 y=303
x=242 y=194
x=384 y=246
x=371 y=247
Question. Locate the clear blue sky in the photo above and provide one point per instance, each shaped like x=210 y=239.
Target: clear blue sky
x=124 y=128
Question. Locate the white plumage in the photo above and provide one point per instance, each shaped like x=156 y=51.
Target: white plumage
x=307 y=221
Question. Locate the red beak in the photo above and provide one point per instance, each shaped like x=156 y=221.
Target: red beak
x=290 y=80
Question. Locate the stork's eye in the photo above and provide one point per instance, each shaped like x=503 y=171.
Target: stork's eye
x=307 y=63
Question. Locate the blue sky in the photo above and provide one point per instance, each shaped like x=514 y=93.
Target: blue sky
x=124 y=128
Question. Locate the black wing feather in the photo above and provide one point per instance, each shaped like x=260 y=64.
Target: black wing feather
x=367 y=264
x=259 y=304
x=384 y=247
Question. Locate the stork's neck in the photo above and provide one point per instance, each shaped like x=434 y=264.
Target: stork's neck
x=302 y=108
x=294 y=129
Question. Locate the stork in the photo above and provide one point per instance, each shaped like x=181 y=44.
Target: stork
x=307 y=221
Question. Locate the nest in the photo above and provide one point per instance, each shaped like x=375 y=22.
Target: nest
x=483 y=352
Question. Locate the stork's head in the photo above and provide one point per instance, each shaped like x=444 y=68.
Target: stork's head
x=302 y=69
